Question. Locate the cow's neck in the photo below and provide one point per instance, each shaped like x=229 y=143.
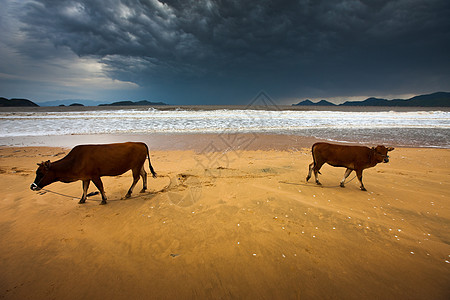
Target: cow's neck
x=372 y=158
x=62 y=169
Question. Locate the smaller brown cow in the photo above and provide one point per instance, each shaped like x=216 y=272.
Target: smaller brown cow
x=354 y=158
x=90 y=162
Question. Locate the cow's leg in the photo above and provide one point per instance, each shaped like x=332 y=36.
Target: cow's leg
x=359 y=175
x=316 y=169
x=144 y=179
x=85 y=189
x=136 y=175
x=347 y=172
x=311 y=165
x=99 y=184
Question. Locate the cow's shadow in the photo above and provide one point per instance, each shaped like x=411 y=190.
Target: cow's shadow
x=144 y=196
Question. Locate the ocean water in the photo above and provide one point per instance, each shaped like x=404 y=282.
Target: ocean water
x=408 y=128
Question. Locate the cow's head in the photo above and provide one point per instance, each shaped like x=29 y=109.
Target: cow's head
x=381 y=153
x=44 y=176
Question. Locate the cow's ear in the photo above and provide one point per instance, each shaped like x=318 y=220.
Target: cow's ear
x=390 y=148
x=47 y=164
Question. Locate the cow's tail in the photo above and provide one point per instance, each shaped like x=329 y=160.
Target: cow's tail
x=149 y=163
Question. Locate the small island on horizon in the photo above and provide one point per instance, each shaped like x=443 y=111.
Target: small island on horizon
x=131 y=103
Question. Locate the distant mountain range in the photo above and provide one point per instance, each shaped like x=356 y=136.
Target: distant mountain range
x=16 y=102
x=308 y=102
x=73 y=102
x=69 y=102
x=439 y=99
x=131 y=103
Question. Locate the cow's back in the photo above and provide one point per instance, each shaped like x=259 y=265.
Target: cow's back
x=108 y=159
x=341 y=155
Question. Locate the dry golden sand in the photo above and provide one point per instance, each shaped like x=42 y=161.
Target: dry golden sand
x=230 y=225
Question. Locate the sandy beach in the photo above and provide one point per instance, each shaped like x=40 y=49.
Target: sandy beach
x=230 y=223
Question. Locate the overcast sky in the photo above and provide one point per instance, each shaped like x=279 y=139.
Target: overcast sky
x=223 y=52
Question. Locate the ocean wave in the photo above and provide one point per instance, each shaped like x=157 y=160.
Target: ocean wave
x=344 y=124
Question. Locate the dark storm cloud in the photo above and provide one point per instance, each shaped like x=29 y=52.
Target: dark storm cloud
x=229 y=47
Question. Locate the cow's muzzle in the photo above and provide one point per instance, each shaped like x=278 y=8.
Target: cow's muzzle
x=386 y=160
x=34 y=187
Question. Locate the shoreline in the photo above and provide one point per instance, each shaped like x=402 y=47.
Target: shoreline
x=193 y=141
x=197 y=142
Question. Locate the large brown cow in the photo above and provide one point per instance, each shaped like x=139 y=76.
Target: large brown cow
x=354 y=158
x=90 y=162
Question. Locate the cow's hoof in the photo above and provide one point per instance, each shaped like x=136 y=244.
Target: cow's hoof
x=82 y=202
x=342 y=185
x=307 y=178
x=363 y=189
x=103 y=202
x=142 y=191
x=318 y=183
x=127 y=196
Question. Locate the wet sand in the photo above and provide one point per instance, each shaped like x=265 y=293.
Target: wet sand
x=229 y=218
x=196 y=142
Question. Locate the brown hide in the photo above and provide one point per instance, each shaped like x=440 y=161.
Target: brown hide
x=355 y=158
x=90 y=162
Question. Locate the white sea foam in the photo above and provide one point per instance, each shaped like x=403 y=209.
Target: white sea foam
x=340 y=125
